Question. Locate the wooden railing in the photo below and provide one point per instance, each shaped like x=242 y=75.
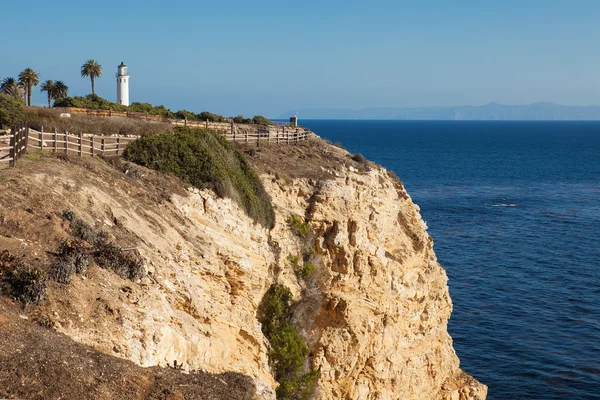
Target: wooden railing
x=258 y=137
x=21 y=138
x=80 y=144
x=13 y=145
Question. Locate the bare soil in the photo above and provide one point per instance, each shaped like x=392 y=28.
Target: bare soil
x=38 y=363
x=314 y=159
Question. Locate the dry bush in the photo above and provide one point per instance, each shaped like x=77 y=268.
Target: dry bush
x=73 y=258
x=124 y=264
x=24 y=283
x=74 y=255
x=359 y=158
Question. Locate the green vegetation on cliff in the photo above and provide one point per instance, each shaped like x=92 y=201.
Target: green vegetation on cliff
x=204 y=158
x=288 y=352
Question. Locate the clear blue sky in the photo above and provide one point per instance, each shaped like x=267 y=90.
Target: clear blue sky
x=268 y=57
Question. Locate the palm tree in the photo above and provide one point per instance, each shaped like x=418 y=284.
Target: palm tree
x=29 y=78
x=11 y=87
x=50 y=88
x=92 y=69
x=60 y=90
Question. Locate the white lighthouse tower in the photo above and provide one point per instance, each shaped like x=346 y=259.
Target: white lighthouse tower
x=122 y=85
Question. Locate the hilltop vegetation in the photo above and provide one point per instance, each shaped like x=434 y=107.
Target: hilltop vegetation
x=95 y=102
x=203 y=158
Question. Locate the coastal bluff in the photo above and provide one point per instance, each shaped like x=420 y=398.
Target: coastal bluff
x=374 y=312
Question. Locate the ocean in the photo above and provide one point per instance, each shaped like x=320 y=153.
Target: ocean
x=514 y=210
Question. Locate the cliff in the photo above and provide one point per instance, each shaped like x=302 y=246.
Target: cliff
x=374 y=312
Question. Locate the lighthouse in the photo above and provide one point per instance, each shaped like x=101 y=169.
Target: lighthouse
x=122 y=85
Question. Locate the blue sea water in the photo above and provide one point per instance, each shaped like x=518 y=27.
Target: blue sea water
x=514 y=210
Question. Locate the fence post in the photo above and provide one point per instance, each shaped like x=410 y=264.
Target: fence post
x=42 y=139
x=66 y=142
x=55 y=144
x=26 y=139
x=11 y=150
x=118 y=144
x=79 y=143
x=92 y=145
x=102 y=147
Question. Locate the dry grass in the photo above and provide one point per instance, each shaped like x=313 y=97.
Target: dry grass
x=49 y=119
x=314 y=159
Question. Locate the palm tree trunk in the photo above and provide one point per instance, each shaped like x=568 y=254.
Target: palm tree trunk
x=29 y=95
x=92 y=78
x=49 y=100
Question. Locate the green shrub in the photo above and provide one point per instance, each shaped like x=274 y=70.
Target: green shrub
x=24 y=283
x=91 y=102
x=302 y=271
x=307 y=270
x=260 y=120
x=288 y=351
x=241 y=120
x=293 y=260
x=298 y=226
x=204 y=158
x=148 y=108
x=185 y=114
x=12 y=110
x=301 y=388
x=208 y=116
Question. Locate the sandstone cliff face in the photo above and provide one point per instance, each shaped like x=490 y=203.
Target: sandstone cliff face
x=374 y=313
x=377 y=313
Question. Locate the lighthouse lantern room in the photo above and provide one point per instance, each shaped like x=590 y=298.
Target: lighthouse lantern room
x=122 y=85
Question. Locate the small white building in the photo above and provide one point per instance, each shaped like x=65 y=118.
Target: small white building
x=122 y=85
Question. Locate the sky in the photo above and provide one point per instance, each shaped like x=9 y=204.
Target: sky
x=271 y=57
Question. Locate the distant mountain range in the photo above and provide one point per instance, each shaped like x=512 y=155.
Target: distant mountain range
x=491 y=111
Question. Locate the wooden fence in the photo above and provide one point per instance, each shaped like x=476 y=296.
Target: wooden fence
x=13 y=145
x=21 y=138
x=80 y=144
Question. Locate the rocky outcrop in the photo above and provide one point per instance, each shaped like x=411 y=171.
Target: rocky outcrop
x=374 y=313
